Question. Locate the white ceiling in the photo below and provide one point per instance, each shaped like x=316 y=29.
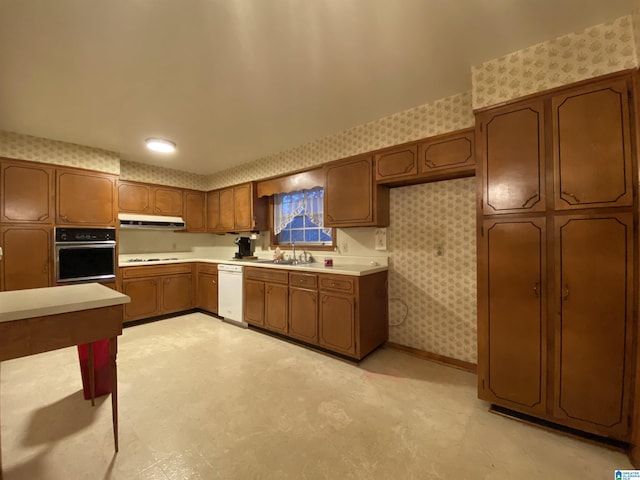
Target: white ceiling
x=234 y=80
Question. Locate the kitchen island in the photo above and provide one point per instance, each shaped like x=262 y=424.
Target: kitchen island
x=43 y=319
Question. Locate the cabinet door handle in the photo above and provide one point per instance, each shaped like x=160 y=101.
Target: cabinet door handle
x=569 y=194
x=213 y=281
x=45 y=267
x=565 y=292
x=42 y=217
x=64 y=217
x=536 y=289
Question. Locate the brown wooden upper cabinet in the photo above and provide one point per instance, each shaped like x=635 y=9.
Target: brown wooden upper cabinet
x=148 y=199
x=167 y=201
x=236 y=209
x=134 y=198
x=441 y=157
x=397 y=163
x=194 y=211
x=85 y=197
x=452 y=154
x=27 y=193
x=592 y=147
x=512 y=146
x=589 y=147
x=351 y=197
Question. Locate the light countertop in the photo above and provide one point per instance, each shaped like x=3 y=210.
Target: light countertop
x=340 y=269
x=38 y=302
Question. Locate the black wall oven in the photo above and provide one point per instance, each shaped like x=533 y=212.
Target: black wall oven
x=85 y=255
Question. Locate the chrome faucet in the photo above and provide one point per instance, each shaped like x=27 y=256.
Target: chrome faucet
x=293 y=254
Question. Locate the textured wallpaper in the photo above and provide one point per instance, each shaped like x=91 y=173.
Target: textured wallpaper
x=141 y=172
x=441 y=116
x=598 y=50
x=36 y=149
x=432 y=274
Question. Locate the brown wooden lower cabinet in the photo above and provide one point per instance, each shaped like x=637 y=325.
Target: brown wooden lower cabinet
x=144 y=293
x=512 y=314
x=207 y=296
x=341 y=313
x=265 y=298
x=594 y=329
x=176 y=293
x=157 y=290
x=337 y=323
x=26 y=261
x=556 y=336
x=303 y=314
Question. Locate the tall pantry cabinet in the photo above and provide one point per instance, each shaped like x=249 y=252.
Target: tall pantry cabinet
x=557 y=256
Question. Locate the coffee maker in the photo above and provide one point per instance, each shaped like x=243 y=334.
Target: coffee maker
x=245 y=247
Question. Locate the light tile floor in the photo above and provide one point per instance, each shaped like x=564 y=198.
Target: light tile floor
x=202 y=399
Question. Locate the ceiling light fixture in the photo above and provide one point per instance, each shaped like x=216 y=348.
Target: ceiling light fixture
x=160 y=145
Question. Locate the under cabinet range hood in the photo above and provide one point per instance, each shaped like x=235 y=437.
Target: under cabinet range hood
x=150 y=222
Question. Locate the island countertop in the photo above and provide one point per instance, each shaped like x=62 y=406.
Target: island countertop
x=38 y=302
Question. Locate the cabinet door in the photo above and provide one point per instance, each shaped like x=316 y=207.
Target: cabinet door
x=276 y=298
x=227 y=215
x=207 y=297
x=447 y=152
x=593 y=333
x=592 y=147
x=194 y=211
x=337 y=323
x=512 y=314
x=26 y=261
x=213 y=211
x=134 y=198
x=167 y=201
x=144 y=293
x=242 y=203
x=303 y=314
x=512 y=151
x=350 y=199
x=85 y=198
x=177 y=293
x=254 y=302
x=27 y=193
x=396 y=163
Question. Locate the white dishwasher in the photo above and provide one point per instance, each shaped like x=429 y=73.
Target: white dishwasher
x=231 y=293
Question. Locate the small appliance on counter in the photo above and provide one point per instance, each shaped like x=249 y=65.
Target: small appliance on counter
x=245 y=248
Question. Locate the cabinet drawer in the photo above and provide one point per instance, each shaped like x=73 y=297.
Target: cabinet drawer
x=266 y=275
x=155 y=270
x=337 y=283
x=306 y=280
x=208 y=268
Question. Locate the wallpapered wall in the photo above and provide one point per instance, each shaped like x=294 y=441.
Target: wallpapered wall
x=141 y=172
x=36 y=149
x=598 y=50
x=432 y=278
x=445 y=115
